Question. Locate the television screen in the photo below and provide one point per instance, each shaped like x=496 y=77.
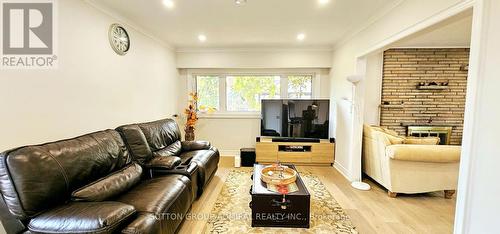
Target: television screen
x=299 y=118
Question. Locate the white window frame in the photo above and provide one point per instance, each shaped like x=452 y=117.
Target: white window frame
x=223 y=73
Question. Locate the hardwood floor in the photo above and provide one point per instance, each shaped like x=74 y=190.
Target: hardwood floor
x=370 y=211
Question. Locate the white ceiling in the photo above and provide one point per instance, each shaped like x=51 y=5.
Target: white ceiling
x=259 y=23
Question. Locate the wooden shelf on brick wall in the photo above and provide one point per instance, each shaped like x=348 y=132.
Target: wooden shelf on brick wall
x=432 y=87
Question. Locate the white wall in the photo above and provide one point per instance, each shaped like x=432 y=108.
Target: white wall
x=403 y=16
x=373 y=88
x=479 y=190
x=93 y=88
x=453 y=32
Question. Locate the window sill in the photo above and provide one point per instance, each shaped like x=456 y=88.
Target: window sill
x=230 y=115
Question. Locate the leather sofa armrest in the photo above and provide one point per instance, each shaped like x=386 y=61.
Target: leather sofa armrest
x=163 y=162
x=190 y=170
x=422 y=140
x=86 y=217
x=195 y=145
x=144 y=223
x=424 y=153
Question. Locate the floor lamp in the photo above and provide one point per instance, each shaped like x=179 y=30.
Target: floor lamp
x=355 y=79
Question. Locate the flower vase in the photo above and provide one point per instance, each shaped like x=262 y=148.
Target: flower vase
x=189 y=136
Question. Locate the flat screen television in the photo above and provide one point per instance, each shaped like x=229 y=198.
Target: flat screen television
x=295 y=118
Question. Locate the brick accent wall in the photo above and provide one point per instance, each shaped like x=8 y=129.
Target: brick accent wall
x=404 y=69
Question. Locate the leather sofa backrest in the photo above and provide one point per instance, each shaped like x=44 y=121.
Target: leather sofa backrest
x=145 y=138
x=36 y=178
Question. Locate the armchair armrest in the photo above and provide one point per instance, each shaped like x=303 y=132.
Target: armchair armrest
x=422 y=140
x=195 y=145
x=424 y=153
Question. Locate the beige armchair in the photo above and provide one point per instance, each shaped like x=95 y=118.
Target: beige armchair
x=409 y=165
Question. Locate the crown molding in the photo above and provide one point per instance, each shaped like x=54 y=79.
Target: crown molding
x=124 y=20
x=252 y=49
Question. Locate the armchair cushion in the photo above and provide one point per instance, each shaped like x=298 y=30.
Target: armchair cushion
x=109 y=186
x=424 y=153
x=164 y=162
x=82 y=217
x=195 y=145
x=422 y=140
x=395 y=140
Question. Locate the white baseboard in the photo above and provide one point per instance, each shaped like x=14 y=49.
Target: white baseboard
x=342 y=170
x=229 y=153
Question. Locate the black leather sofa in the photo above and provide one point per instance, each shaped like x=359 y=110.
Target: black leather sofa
x=161 y=139
x=94 y=184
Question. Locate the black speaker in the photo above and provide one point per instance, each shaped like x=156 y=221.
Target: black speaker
x=247 y=156
x=332 y=140
x=257 y=139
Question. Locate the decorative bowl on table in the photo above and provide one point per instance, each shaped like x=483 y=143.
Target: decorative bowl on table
x=278 y=174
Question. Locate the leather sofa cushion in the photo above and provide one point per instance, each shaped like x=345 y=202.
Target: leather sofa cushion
x=36 y=178
x=83 y=217
x=164 y=162
x=160 y=134
x=171 y=150
x=195 y=145
x=156 y=195
x=111 y=185
x=145 y=138
x=136 y=142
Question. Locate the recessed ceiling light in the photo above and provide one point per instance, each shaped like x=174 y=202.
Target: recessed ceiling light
x=169 y=3
x=240 y=2
x=301 y=36
x=323 y=2
x=202 y=37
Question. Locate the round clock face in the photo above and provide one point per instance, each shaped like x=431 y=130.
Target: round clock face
x=119 y=39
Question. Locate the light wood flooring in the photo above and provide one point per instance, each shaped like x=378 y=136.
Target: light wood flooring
x=370 y=211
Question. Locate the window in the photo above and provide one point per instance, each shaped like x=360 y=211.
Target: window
x=244 y=92
x=208 y=91
x=299 y=86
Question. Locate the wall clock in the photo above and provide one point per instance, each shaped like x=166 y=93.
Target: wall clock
x=119 y=39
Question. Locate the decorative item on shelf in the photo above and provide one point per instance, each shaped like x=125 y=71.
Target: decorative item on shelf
x=464 y=67
x=433 y=85
x=192 y=115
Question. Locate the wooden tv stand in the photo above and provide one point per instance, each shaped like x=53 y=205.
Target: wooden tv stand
x=306 y=153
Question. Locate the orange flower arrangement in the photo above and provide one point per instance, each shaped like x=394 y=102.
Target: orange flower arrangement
x=192 y=115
